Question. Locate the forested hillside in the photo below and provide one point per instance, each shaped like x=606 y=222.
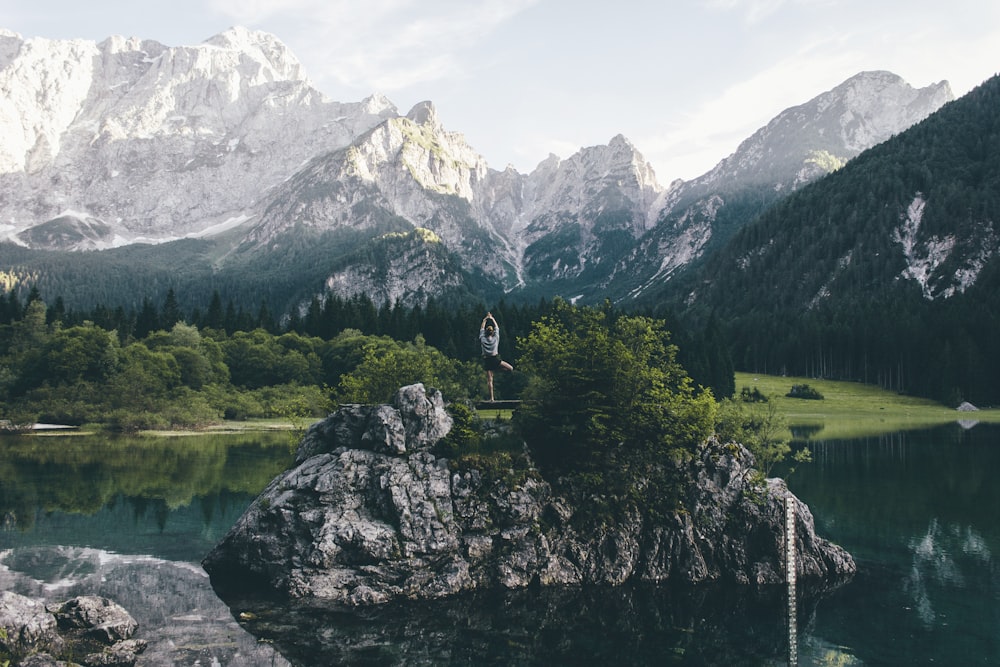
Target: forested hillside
x=885 y=271
x=285 y=281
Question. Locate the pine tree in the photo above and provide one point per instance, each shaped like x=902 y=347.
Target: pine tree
x=171 y=311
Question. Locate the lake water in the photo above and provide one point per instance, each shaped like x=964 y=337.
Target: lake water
x=132 y=518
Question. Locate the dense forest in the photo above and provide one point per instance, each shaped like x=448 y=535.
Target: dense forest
x=158 y=366
x=819 y=284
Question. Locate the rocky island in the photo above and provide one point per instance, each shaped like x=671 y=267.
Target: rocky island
x=369 y=514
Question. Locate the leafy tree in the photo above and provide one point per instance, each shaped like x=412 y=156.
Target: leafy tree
x=609 y=404
x=259 y=359
x=28 y=338
x=386 y=366
x=753 y=421
x=80 y=353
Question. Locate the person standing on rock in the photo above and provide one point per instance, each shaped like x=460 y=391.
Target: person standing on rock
x=489 y=340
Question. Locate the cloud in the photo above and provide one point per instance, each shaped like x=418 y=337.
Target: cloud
x=755 y=11
x=694 y=142
x=379 y=45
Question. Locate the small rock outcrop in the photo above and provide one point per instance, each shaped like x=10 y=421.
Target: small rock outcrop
x=93 y=630
x=369 y=514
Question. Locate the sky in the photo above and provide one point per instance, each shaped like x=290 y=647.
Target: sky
x=684 y=80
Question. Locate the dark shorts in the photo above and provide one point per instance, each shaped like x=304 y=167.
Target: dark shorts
x=491 y=363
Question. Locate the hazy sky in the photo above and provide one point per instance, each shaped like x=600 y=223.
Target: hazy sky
x=684 y=80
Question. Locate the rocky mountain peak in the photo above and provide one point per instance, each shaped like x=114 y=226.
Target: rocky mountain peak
x=264 y=48
x=424 y=113
x=873 y=106
x=571 y=185
x=797 y=146
x=175 y=140
x=808 y=140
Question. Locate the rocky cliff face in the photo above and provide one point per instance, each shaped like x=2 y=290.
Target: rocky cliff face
x=369 y=514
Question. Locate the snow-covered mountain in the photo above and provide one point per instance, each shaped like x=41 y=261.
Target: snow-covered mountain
x=131 y=141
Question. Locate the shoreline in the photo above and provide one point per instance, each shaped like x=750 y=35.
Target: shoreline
x=856 y=410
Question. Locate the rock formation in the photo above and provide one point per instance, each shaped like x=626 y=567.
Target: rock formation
x=370 y=514
x=93 y=630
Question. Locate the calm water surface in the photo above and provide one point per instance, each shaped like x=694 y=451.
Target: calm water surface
x=132 y=519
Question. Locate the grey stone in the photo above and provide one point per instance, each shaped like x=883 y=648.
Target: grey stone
x=122 y=654
x=91 y=626
x=98 y=617
x=26 y=625
x=365 y=518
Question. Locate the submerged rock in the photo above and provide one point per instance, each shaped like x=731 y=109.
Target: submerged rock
x=25 y=625
x=93 y=630
x=369 y=514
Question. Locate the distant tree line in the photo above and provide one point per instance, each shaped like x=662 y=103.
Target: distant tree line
x=451 y=329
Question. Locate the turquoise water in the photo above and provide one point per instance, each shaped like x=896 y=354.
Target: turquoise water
x=920 y=512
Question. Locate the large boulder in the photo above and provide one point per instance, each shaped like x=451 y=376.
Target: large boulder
x=414 y=422
x=370 y=514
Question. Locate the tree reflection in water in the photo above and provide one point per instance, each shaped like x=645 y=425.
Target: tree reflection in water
x=634 y=625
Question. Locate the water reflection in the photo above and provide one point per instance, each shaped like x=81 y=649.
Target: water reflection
x=937 y=562
x=630 y=625
x=131 y=519
x=918 y=510
x=173 y=603
x=167 y=497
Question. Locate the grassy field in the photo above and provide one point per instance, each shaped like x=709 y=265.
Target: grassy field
x=854 y=410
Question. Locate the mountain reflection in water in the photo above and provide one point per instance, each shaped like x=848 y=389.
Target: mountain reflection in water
x=178 y=613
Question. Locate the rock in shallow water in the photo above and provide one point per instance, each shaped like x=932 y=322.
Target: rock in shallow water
x=93 y=630
x=369 y=514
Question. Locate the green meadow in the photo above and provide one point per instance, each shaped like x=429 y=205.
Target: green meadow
x=852 y=409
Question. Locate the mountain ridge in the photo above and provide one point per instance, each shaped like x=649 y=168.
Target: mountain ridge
x=798 y=146
x=165 y=129
x=885 y=271
x=230 y=135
